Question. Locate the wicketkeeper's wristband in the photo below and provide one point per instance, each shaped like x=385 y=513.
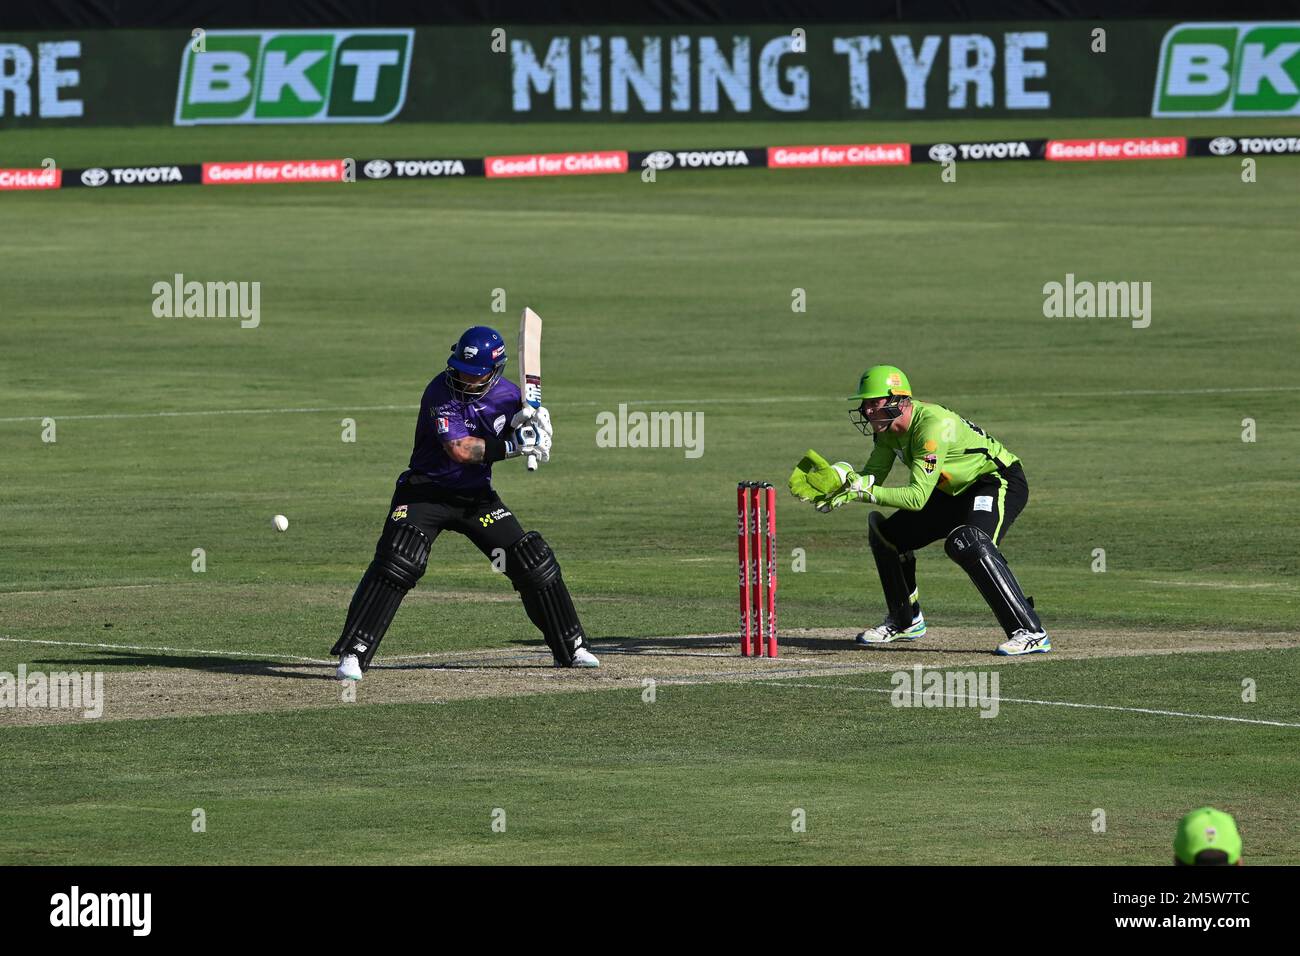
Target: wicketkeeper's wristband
x=496 y=449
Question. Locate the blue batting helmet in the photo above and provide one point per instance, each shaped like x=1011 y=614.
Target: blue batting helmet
x=480 y=351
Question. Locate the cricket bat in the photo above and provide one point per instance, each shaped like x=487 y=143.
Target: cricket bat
x=530 y=364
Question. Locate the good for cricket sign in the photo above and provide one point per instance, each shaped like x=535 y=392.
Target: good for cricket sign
x=294 y=76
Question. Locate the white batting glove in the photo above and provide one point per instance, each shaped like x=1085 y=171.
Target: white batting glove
x=533 y=441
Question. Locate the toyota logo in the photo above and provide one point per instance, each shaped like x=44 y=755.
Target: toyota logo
x=659 y=159
x=1223 y=146
x=377 y=168
x=94 y=177
x=943 y=152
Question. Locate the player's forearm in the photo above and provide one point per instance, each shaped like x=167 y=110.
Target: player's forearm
x=481 y=451
x=880 y=474
x=467 y=450
x=880 y=463
x=911 y=498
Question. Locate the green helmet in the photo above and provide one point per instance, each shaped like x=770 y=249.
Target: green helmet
x=1204 y=830
x=882 y=381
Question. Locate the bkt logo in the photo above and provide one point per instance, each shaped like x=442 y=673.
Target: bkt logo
x=295 y=76
x=1229 y=69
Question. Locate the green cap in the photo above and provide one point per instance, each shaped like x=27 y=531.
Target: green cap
x=882 y=381
x=1207 y=829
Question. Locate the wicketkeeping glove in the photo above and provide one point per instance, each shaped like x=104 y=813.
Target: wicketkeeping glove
x=813 y=478
x=854 y=487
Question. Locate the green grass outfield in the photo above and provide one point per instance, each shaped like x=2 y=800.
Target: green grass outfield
x=705 y=774
x=675 y=295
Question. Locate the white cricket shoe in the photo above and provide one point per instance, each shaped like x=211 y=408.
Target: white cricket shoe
x=1025 y=641
x=349 y=668
x=886 y=632
x=582 y=658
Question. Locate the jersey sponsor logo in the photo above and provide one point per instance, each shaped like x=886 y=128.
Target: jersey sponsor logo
x=444 y=426
x=493 y=516
x=984 y=503
x=399 y=513
x=498 y=424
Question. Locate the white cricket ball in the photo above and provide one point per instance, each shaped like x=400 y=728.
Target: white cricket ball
x=280 y=523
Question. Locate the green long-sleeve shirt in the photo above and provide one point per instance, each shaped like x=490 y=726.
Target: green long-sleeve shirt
x=940 y=450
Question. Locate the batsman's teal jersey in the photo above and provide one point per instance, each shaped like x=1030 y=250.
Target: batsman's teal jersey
x=940 y=449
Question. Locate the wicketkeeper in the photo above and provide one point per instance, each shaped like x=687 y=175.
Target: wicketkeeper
x=964 y=487
x=470 y=418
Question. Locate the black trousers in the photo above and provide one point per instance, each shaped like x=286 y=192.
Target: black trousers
x=992 y=504
x=479 y=515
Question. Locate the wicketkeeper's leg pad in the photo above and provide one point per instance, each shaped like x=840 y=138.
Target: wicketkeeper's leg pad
x=977 y=555
x=532 y=568
x=400 y=559
x=891 y=565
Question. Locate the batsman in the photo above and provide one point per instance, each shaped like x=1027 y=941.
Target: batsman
x=470 y=419
x=964 y=487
